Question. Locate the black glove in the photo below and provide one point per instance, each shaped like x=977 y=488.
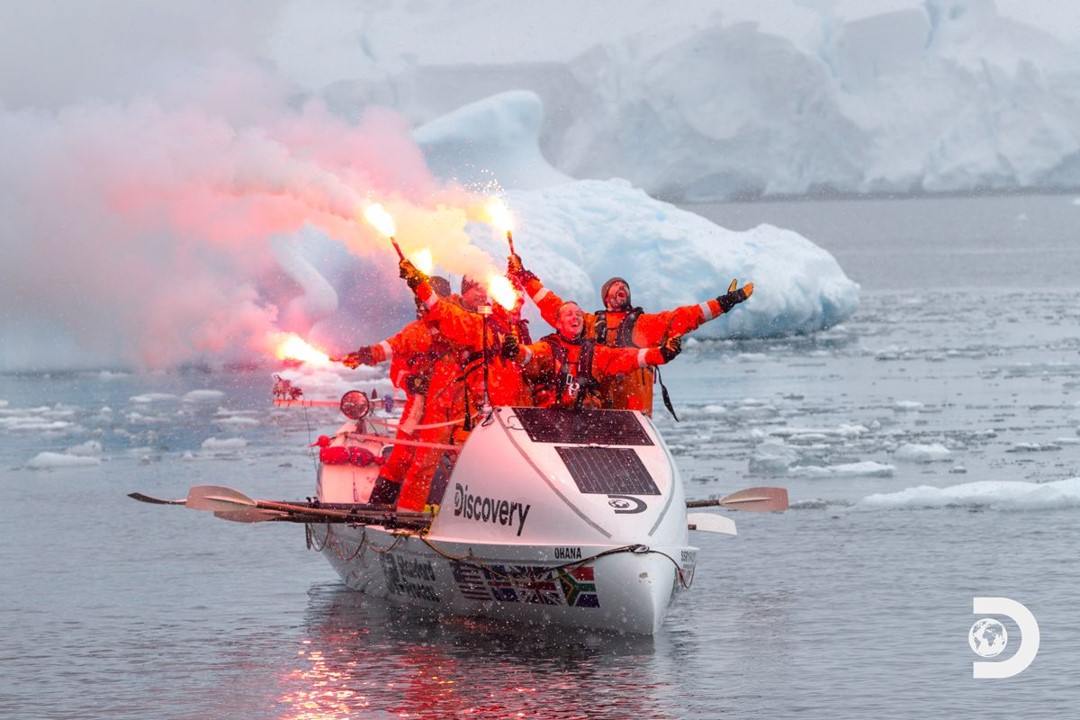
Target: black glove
x=510 y=348
x=671 y=348
x=410 y=274
x=516 y=272
x=733 y=297
x=363 y=356
x=417 y=384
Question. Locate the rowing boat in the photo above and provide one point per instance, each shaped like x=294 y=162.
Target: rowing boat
x=544 y=516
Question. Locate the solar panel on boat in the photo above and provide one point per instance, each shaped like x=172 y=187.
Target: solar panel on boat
x=608 y=471
x=586 y=427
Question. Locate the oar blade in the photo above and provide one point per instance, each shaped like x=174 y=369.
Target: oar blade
x=707 y=522
x=217 y=498
x=234 y=505
x=758 y=499
x=249 y=515
x=153 y=500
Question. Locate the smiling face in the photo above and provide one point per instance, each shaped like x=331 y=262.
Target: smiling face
x=570 y=321
x=618 y=296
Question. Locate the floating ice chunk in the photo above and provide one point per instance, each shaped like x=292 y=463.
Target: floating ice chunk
x=135 y=418
x=148 y=398
x=772 y=458
x=866 y=468
x=204 y=396
x=235 y=421
x=218 y=444
x=907 y=405
x=935 y=452
x=33 y=424
x=843 y=430
x=997 y=494
x=1033 y=447
x=50 y=460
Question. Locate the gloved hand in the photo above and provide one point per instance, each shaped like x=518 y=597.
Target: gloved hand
x=417 y=384
x=363 y=356
x=516 y=272
x=410 y=274
x=733 y=297
x=670 y=349
x=510 y=348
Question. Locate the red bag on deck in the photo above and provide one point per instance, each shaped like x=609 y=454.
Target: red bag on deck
x=338 y=455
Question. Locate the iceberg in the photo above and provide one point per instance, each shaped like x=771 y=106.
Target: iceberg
x=575 y=234
x=712 y=101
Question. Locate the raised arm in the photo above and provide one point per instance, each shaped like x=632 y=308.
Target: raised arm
x=653 y=328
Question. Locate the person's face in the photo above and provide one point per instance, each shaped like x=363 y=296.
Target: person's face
x=476 y=296
x=618 y=296
x=570 y=321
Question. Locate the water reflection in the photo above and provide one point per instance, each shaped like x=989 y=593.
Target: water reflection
x=362 y=657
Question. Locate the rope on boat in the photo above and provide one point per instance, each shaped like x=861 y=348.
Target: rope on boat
x=331 y=540
x=637 y=549
x=686 y=579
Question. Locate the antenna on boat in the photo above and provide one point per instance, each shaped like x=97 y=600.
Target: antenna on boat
x=485 y=312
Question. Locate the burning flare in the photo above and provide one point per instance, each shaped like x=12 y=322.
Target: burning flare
x=290 y=346
x=380 y=219
x=500 y=215
x=423 y=260
x=502 y=291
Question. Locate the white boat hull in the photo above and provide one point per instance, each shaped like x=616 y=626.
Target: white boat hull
x=535 y=526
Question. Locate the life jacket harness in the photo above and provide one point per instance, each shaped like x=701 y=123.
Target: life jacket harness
x=420 y=366
x=479 y=359
x=624 y=337
x=624 y=333
x=571 y=380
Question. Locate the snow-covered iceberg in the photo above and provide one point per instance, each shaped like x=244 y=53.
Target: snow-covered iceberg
x=707 y=101
x=575 y=234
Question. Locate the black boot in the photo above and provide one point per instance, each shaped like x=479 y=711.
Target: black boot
x=385 y=492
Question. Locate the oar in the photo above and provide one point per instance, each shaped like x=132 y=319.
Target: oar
x=153 y=500
x=759 y=499
x=707 y=522
x=218 y=499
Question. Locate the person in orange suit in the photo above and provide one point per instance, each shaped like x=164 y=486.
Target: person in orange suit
x=413 y=354
x=622 y=325
x=472 y=374
x=569 y=367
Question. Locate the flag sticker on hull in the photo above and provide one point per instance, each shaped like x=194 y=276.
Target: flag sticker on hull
x=572 y=587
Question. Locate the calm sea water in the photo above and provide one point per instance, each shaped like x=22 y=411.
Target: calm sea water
x=843 y=607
